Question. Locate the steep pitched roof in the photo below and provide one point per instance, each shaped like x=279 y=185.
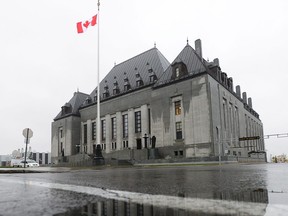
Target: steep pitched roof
x=138 y=67
x=72 y=107
x=194 y=63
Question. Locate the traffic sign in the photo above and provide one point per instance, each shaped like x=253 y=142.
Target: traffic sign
x=27 y=133
x=249 y=138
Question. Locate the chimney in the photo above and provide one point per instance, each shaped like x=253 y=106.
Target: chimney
x=244 y=97
x=224 y=78
x=250 y=102
x=216 y=62
x=230 y=84
x=238 y=91
x=198 y=47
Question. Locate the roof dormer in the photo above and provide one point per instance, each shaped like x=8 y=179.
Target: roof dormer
x=106 y=93
x=152 y=76
x=116 y=89
x=179 y=69
x=66 y=109
x=127 y=85
x=139 y=81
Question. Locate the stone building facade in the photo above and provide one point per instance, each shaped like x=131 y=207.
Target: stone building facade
x=155 y=110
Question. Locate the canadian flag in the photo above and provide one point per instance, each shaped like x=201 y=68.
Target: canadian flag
x=82 y=26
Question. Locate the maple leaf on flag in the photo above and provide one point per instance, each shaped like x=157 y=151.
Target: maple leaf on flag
x=83 y=26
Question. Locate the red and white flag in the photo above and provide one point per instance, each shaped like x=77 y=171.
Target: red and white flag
x=82 y=26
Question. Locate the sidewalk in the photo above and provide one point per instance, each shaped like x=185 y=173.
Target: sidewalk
x=202 y=163
x=34 y=170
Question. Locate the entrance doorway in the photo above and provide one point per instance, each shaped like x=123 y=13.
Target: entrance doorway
x=139 y=143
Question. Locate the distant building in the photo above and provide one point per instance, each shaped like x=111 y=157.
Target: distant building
x=5 y=160
x=43 y=158
x=188 y=110
x=280 y=159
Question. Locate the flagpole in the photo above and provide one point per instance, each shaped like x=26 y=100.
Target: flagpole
x=98 y=79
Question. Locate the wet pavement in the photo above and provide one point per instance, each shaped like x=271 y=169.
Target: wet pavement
x=233 y=189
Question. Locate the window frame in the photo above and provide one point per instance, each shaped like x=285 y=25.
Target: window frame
x=113 y=128
x=125 y=125
x=179 y=130
x=93 y=131
x=103 y=129
x=138 y=119
x=85 y=133
x=178 y=107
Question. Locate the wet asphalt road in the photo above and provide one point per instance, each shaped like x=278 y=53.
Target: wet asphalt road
x=263 y=185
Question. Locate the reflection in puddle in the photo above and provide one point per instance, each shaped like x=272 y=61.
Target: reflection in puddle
x=245 y=203
x=258 y=195
x=117 y=208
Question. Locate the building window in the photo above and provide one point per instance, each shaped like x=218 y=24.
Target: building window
x=125 y=125
x=106 y=90
x=152 y=78
x=116 y=91
x=127 y=87
x=93 y=131
x=113 y=125
x=179 y=69
x=40 y=158
x=61 y=132
x=85 y=133
x=103 y=146
x=95 y=97
x=106 y=94
x=177 y=72
x=178 y=130
x=224 y=113
x=116 y=88
x=177 y=108
x=149 y=121
x=125 y=144
x=152 y=75
x=139 y=83
x=103 y=129
x=138 y=122
x=85 y=148
x=237 y=122
x=114 y=145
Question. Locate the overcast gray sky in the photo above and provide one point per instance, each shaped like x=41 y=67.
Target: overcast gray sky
x=43 y=60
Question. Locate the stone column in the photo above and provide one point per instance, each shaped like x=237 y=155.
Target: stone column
x=89 y=137
x=250 y=102
x=145 y=122
x=244 y=97
x=108 y=133
x=131 y=128
x=119 y=132
x=82 y=138
x=238 y=91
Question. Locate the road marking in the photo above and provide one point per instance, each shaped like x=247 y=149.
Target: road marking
x=185 y=203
